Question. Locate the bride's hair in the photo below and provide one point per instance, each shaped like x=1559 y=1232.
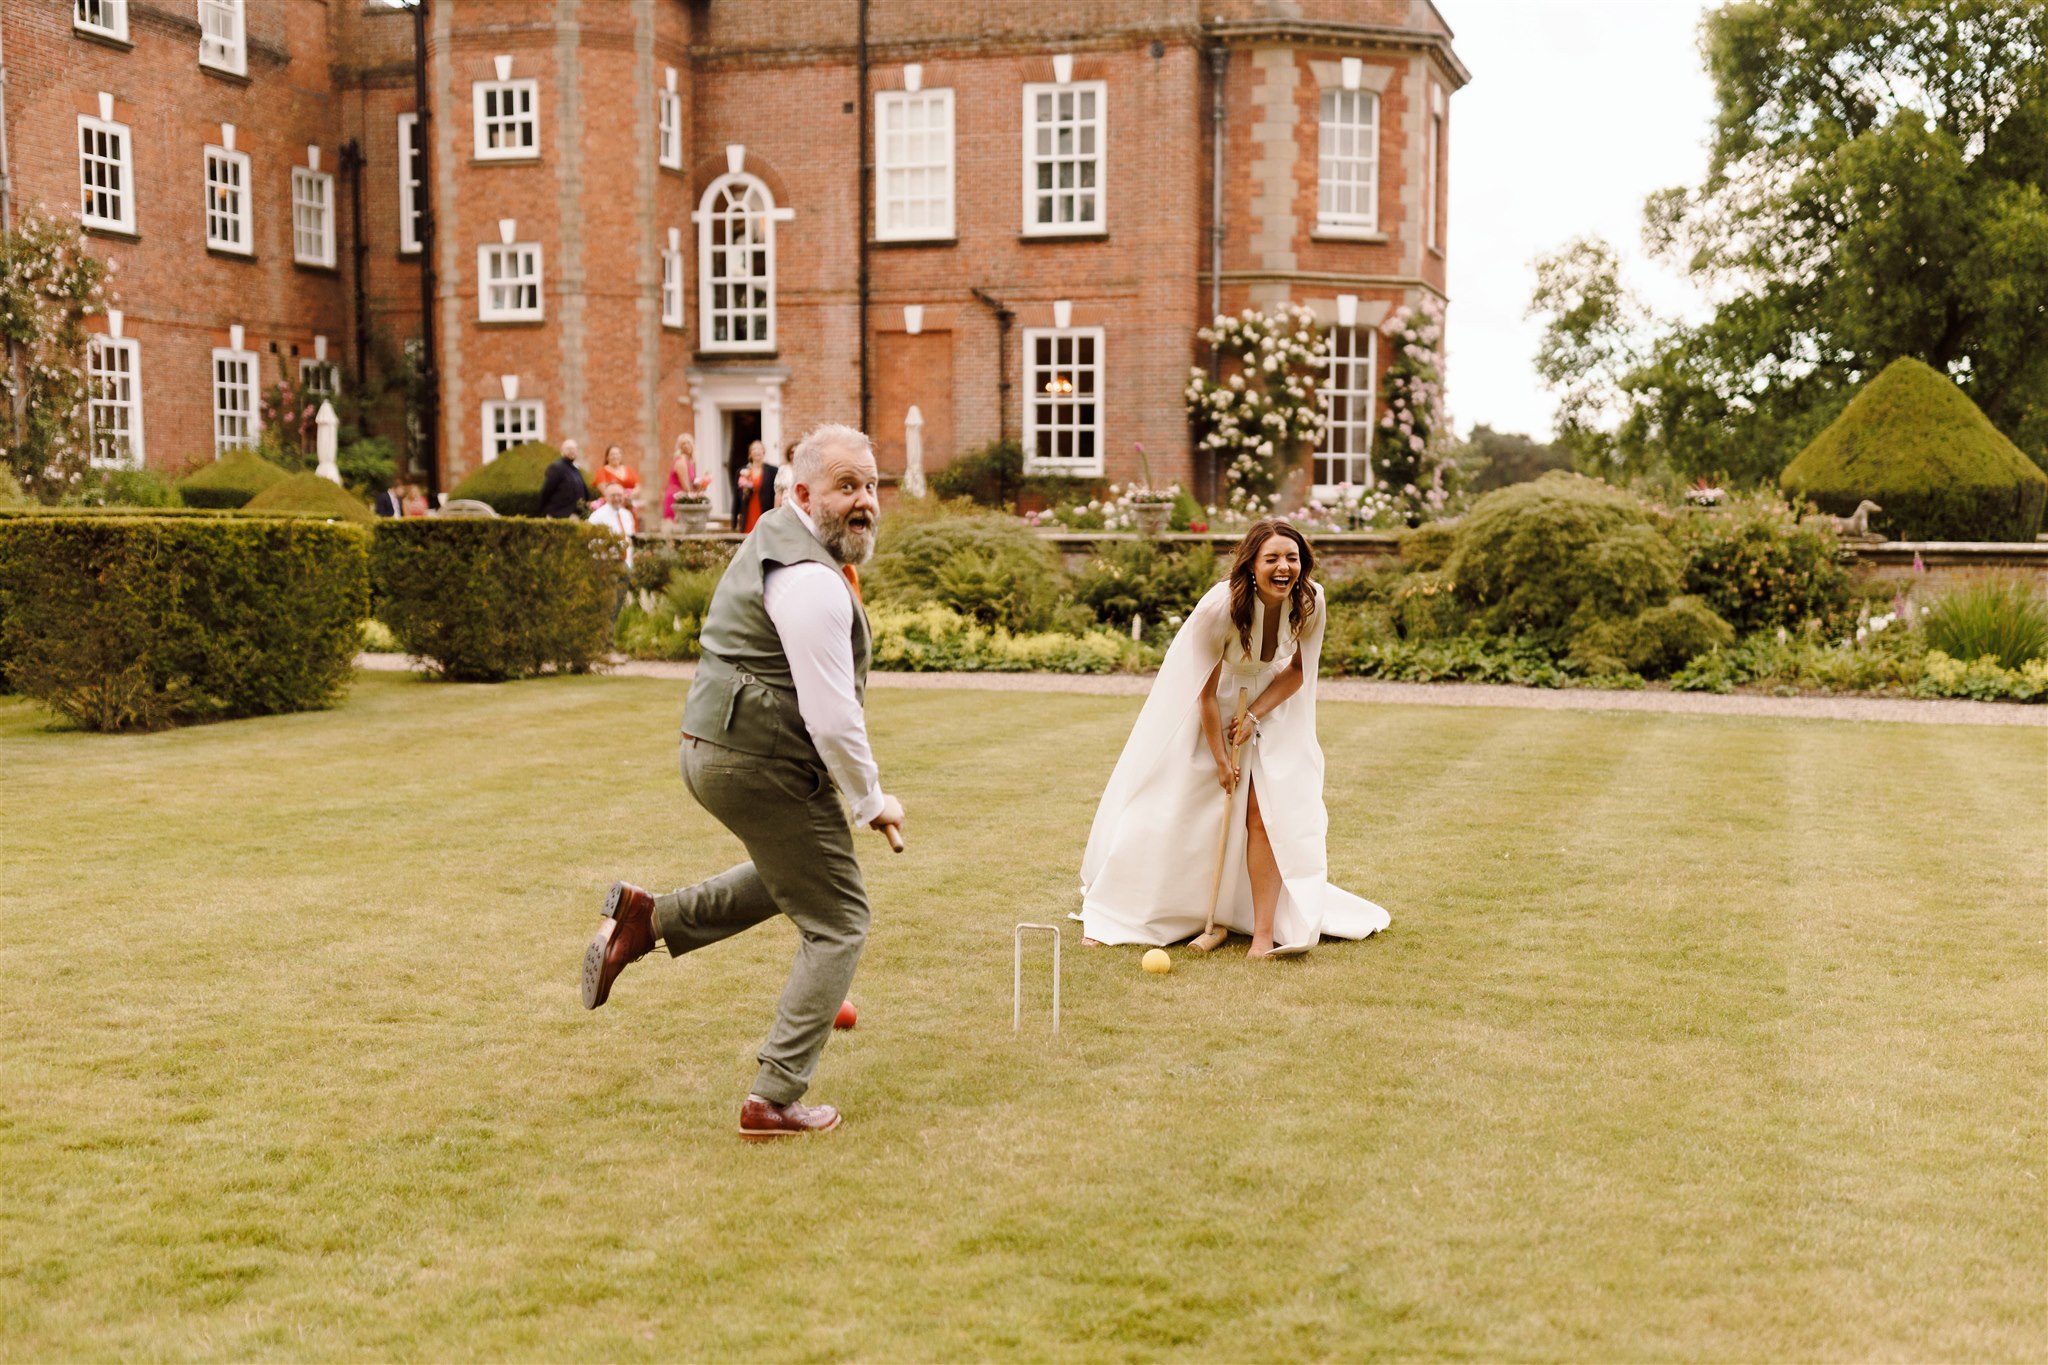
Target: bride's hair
x=1301 y=599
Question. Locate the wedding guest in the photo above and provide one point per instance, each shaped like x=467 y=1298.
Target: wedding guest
x=756 y=489
x=615 y=470
x=563 y=492
x=682 y=476
x=391 y=502
x=616 y=515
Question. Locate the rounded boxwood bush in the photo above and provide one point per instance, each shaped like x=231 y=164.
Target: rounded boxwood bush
x=1558 y=554
x=491 y=598
x=308 y=492
x=511 y=483
x=139 y=622
x=230 y=481
x=1656 y=642
x=1914 y=444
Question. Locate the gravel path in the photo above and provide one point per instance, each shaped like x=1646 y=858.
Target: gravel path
x=1434 y=694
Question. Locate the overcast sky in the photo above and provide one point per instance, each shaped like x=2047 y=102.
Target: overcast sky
x=1577 y=110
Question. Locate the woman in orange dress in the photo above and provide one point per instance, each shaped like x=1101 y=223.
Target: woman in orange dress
x=757 y=488
x=617 y=471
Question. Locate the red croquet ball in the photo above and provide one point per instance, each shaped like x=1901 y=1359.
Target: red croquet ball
x=847 y=1016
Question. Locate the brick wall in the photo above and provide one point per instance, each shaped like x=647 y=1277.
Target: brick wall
x=777 y=79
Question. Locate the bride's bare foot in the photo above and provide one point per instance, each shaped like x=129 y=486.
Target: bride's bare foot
x=1260 y=948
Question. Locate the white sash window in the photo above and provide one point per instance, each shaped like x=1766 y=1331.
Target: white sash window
x=227 y=201
x=312 y=217
x=113 y=371
x=736 y=265
x=507 y=119
x=1348 y=162
x=106 y=174
x=223 y=39
x=1063 y=400
x=508 y=283
x=1065 y=137
x=235 y=423
x=513 y=423
x=914 y=159
x=1349 y=399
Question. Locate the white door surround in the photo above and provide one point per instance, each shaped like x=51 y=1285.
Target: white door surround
x=714 y=392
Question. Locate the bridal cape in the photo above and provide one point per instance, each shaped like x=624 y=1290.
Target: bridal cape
x=1152 y=850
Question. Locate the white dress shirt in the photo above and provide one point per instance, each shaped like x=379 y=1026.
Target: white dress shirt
x=620 y=521
x=812 y=608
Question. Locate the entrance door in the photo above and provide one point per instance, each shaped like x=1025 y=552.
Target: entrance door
x=742 y=429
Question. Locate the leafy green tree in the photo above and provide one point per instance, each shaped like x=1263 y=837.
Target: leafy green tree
x=1877 y=188
x=1499 y=458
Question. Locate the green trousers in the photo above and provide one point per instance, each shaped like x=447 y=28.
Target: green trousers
x=801 y=864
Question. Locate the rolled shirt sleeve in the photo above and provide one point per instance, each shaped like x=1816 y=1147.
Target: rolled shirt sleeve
x=813 y=613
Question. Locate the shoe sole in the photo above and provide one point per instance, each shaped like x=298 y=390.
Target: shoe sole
x=771 y=1134
x=593 y=956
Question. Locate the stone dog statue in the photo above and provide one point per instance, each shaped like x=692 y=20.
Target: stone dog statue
x=1855 y=526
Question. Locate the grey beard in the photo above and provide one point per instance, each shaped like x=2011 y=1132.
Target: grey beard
x=846 y=545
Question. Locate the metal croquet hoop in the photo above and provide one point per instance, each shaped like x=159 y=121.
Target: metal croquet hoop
x=1017 y=975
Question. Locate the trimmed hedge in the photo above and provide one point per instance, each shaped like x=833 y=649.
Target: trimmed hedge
x=308 y=492
x=489 y=599
x=1914 y=443
x=511 y=483
x=230 y=481
x=139 y=622
x=992 y=568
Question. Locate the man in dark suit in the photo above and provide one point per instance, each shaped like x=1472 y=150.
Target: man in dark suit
x=391 y=502
x=562 y=489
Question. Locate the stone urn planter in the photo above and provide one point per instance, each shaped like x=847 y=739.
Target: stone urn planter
x=1151 y=517
x=692 y=515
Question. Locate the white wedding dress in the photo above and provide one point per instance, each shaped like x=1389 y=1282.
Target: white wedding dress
x=1151 y=853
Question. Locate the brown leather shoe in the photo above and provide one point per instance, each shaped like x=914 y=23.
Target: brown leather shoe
x=627 y=935
x=761 y=1121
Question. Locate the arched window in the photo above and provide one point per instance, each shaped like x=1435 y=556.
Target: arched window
x=736 y=265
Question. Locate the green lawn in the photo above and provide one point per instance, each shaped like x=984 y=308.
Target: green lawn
x=1694 y=1038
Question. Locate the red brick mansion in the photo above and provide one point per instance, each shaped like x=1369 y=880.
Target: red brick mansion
x=634 y=218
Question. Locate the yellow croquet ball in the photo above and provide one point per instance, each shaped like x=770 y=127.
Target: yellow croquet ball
x=1156 y=962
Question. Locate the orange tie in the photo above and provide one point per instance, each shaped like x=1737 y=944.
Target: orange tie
x=852 y=580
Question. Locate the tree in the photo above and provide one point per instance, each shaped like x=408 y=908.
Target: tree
x=1499 y=458
x=1877 y=188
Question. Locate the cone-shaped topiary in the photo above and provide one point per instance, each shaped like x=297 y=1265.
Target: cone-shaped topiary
x=1914 y=444
x=308 y=492
x=511 y=483
x=230 y=481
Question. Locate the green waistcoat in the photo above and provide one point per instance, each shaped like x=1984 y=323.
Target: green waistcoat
x=744 y=696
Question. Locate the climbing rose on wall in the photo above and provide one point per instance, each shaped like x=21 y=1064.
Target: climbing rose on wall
x=1264 y=409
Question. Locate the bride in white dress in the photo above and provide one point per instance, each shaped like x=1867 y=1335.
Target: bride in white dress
x=1146 y=875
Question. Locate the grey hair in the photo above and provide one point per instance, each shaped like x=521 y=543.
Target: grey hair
x=809 y=458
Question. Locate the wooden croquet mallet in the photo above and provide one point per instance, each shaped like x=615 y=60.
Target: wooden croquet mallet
x=1211 y=938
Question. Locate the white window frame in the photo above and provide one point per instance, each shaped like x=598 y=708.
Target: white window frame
x=671 y=287
x=715 y=214
x=408 y=186
x=528 y=272
x=319 y=378
x=1035 y=380
x=99 y=376
x=225 y=415
x=480 y=94
x=1351 y=440
x=238 y=213
x=1348 y=116
x=668 y=118
x=892 y=208
x=121 y=193
x=526 y=420
x=224 y=36
x=1433 y=219
x=1099 y=158
x=321 y=207
x=102 y=18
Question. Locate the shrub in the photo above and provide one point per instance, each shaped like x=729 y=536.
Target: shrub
x=125 y=488
x=1758 y=568
x=1982 y=680
x=932 y=639
x=1998 y=618
x=487 y=599
x=1559 y=554
x=140 y=622
x=1914 y=443
x=511 y=483
x=666 y=623
x=230 y=481
x=1138 y=578
x=1888 y=660
x=1466 y=658
x=993 y=567
x=1427 y=607
x=1429 y=546
x=1657 y=642
x=367 y=466
x=994 y=476
x=10 y=489
x=310 y=493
